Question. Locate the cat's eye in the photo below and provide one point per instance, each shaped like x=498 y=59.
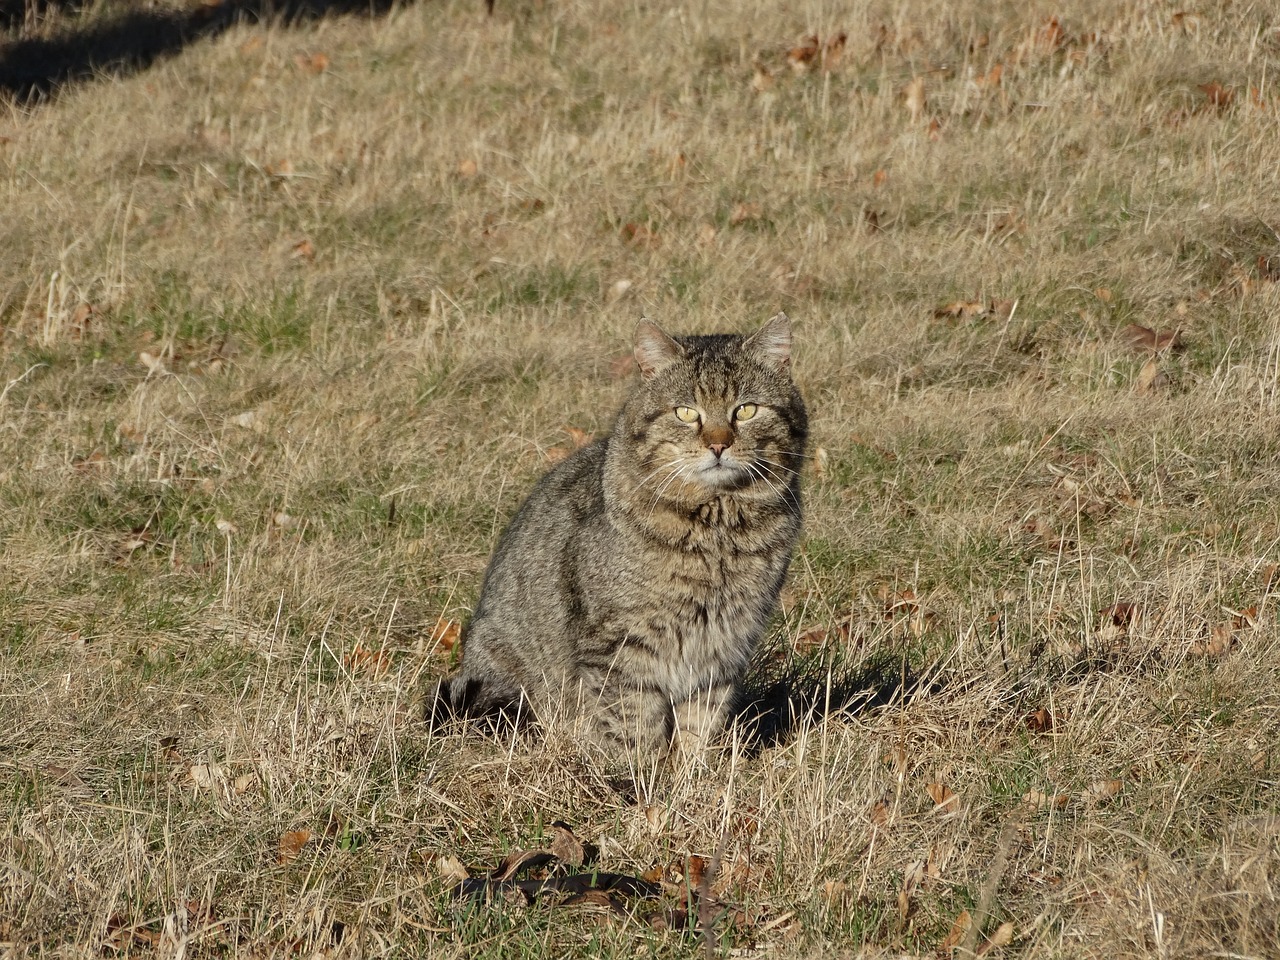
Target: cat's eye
x=745 y=412
x=686 y=414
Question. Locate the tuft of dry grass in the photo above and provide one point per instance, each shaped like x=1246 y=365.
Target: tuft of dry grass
x=292 y=316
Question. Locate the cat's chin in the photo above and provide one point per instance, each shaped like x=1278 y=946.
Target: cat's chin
x=724 y=477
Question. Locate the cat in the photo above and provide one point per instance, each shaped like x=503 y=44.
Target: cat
x=633 y=585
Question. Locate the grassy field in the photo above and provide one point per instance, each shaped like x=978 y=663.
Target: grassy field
x=292 y=315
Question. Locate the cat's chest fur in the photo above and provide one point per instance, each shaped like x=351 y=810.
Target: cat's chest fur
x=696 y=596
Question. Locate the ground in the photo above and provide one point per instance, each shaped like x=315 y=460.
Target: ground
x=295 y=305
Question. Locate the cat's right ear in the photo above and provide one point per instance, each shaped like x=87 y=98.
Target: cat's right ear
x=654 y=351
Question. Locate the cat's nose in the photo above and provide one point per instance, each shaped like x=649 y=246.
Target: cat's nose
x=717 y=448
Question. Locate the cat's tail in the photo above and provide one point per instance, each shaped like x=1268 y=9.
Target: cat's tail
x=471 y=698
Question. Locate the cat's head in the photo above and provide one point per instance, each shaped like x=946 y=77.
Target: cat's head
x=716 y=413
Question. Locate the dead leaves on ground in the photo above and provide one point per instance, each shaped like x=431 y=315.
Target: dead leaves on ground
x=812 y=52
x=544 y=879
x=1224 y=637
x=900 y=608
x=553 y=876
x=445 y=636
x=1144 y=339
x=291 y=844
x=946 y=802
x=958 y=310
x=362 y=661
x=578 y=439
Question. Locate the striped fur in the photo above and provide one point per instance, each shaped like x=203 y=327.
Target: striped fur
x=634 y=583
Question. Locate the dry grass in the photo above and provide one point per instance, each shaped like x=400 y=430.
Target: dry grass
x=343 y=308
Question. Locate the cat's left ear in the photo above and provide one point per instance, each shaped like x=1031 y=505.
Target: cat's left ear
x=654 y=351
x=772 y=342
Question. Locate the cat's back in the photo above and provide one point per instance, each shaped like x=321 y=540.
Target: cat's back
x=565 y=501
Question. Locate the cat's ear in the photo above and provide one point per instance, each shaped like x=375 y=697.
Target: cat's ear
x=772 y=342
x=654 y=351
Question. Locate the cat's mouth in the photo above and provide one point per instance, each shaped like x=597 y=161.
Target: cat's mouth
x=721 y=473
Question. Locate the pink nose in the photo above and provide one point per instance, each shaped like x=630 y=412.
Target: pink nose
x=717 y=448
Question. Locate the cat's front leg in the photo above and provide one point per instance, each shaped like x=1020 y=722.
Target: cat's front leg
x=626 y=718
x=701 y=717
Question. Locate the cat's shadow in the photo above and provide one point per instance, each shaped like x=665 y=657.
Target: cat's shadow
x=775 y=704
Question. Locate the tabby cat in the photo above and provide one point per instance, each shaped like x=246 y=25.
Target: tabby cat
x=636 y=580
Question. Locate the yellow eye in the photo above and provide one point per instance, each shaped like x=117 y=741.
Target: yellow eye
x=686 y=414
x=745 y=412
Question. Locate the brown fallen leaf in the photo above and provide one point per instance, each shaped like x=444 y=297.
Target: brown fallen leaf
x=914 y=95
x=810 y=639
x=944 y=798
x=518 y=860
x=835 y=890
x=991 y=79
x=121 y=935
x=579 y=438
x=1051 y=36
x=654 y=816
x=1038 y=799
x=291 y=844
x=802 y=57
x=879 y=814
x=204 y=775
x=638 y=235
x=1122 y=614
x=1150 y=378
x=451 y=869
x=1039 y=721
x=761 y=78
x=82 y=318
x=1103 y=789
x=695 y=869
x=1001 y=937
x=833 y=50
x=1142 y=338
x=565 y=845
x=1270 y=577
x=1221 y=641
x=312 y=63
x=361 y=659
x=1219 y=97
x=960 y=310
x=445 y=635
x=958 y=931
x=1246 y=618
x=744 y=212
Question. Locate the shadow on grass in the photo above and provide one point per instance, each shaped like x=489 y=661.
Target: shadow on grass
x=127 y=41
x=771 y=708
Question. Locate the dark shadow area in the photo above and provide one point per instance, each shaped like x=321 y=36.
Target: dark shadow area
x=34 y=68
x=771 y=707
